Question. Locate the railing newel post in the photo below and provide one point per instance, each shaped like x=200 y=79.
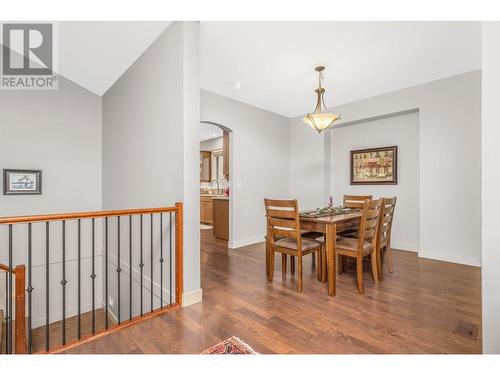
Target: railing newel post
x=20 y=274
x=179 y=220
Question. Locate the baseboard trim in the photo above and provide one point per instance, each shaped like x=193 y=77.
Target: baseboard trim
x=465 y=262
x=405 y=246
x=192 y=297
x=245 y=242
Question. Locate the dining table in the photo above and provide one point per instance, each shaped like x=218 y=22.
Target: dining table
x=330 y=225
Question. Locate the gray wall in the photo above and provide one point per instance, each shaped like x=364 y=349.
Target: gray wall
x=259 y=155
x=491 y=187
x=58 y=132
x=146 y=130
x=449 y=161
x=401 y=130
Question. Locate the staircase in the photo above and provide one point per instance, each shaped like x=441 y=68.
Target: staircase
x=160 y=283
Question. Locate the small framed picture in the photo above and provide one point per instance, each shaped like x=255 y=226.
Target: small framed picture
x=375 y=166
x=22 y=182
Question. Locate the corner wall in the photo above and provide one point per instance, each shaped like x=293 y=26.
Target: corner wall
x=491 y=188
x=150 y=144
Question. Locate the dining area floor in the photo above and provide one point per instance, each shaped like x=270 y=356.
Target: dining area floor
x=424 y=306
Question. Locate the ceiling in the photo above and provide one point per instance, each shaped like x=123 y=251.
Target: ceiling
x=209 y=131
x=274 y=61
x=96 y=54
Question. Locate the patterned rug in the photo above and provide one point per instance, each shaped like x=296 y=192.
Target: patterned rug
x=231 y=345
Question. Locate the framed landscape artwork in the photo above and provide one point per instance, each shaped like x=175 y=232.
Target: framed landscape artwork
x=375 y=166
x=22 y=182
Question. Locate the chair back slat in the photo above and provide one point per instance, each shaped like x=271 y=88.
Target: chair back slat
x=283 y=223
x=355 y=201
x=282 y=214
x=283 y=219
x=281 y=203
x=281 y=232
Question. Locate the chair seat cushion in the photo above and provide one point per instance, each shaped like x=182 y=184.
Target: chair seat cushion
x=351 y=244
x=291 y=243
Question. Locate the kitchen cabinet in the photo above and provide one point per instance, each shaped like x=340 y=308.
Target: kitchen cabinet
x=206 y=210
x=221 y=217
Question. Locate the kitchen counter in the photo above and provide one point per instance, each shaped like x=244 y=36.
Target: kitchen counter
x=221 y=198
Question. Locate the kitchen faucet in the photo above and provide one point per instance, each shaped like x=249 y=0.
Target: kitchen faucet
x=218 y=186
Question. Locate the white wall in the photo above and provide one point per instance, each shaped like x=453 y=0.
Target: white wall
x=491 y=187
x=151 y=148
x=449 y=161
x=260 y=149
x=58 y=132
x=400 y=130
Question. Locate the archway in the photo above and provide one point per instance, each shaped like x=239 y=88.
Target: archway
x=216 y=185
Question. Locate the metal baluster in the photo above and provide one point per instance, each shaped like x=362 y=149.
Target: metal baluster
x=29 y=290
x=79 y=279
x=141 y=265
x=170 y=258
x=9 y=292
x=151 y=260
x=92 y=276
x=161 y=260
x=130 y=265
x=106 y=276
x=47 y=279
x=7 y=317
x=119 y=270
x=63 y=282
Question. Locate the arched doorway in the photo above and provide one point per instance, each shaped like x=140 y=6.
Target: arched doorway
x=215 y=181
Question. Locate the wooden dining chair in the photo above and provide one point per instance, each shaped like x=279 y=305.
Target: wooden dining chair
x=366 y=242
x=284 y=236
x=384 y=234
x=355 y=201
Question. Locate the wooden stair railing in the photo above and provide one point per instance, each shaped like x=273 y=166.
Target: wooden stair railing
x=19 y=273
x=162 y=253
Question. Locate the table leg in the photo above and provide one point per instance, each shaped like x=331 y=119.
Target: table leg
x=330 y=239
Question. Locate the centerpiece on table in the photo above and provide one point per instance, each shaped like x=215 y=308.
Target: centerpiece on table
x=326 y=211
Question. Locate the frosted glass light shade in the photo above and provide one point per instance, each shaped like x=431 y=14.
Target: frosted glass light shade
x=320 y=121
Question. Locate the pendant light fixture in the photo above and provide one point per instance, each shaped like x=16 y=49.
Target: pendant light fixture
x=320 y=119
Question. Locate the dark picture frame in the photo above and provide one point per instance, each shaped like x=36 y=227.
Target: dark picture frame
x=375 y=166
x=22 y=182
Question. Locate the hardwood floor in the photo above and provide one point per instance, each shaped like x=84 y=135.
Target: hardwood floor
x=426 y=306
